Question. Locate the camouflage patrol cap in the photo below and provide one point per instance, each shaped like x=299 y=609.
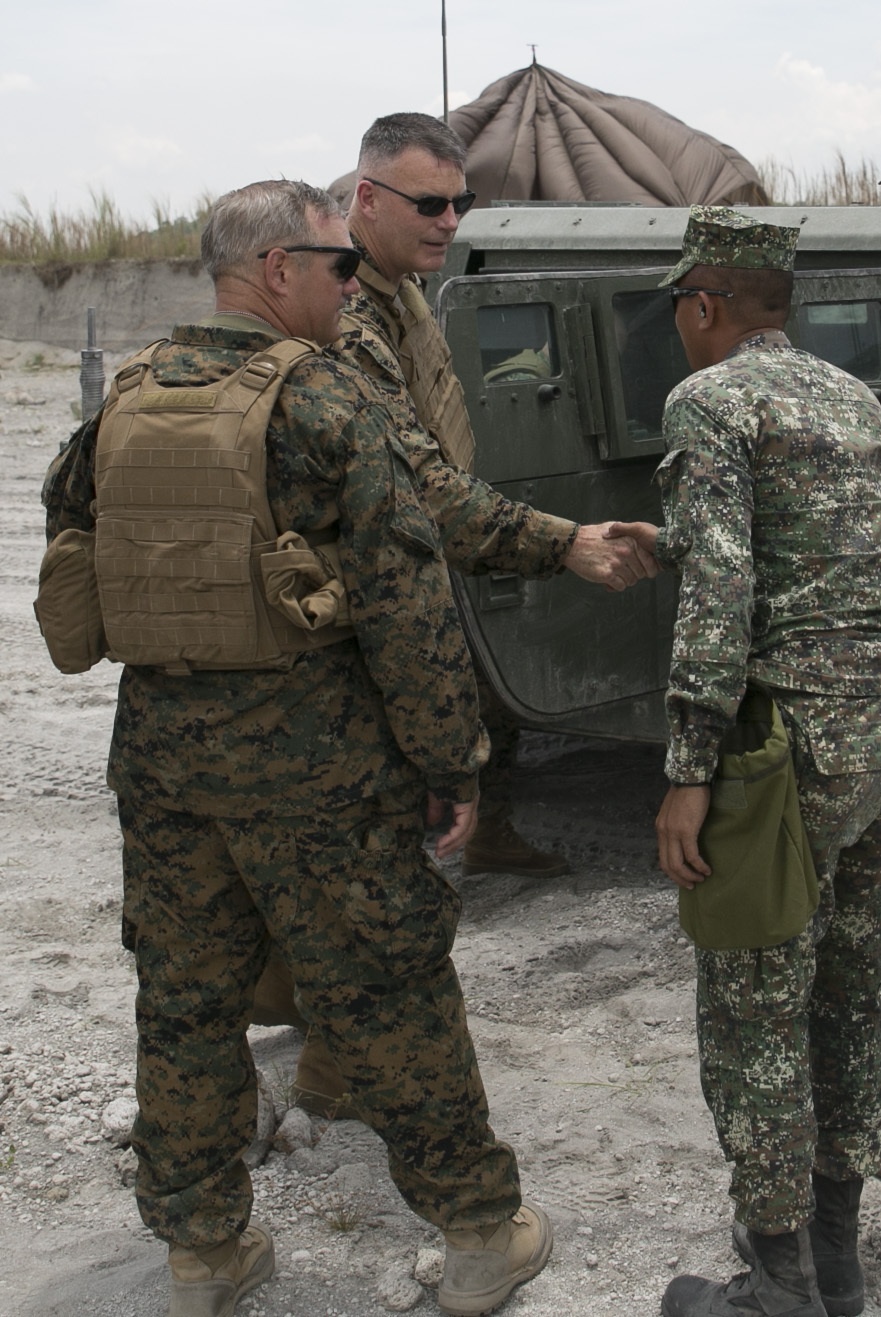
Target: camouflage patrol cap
x=717 y=235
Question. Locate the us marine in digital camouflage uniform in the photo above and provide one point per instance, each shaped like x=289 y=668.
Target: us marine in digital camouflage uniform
x=389 y=332
x=293 y=800
x=409 y=197
x=772 y=502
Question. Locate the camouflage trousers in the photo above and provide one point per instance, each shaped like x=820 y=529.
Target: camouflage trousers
x=356 y=906
x=790 y=1036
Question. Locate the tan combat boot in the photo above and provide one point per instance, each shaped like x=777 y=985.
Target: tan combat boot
x=208 y=1282
x=319 y=1087
x=483 y=1266
x=274 y=995
x=497 y=848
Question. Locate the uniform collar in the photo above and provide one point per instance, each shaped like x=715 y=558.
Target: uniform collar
x=247 y=324
x=368 y=274
x=771 y=338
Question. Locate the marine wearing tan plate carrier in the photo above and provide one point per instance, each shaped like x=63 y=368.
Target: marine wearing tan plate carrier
x=186 y=554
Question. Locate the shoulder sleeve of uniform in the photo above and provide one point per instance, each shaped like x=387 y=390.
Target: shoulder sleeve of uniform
x=330 y=387
x=365 y=347
x=402 y=608
x=706 y=489
x=69 y=485
x=367 y=311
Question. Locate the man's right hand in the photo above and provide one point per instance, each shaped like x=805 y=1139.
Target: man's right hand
x=615 y=554
x=460 y=830
x=678 y=826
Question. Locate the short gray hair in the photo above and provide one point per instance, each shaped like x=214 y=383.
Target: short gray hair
x=261 y=215
x=388 y=137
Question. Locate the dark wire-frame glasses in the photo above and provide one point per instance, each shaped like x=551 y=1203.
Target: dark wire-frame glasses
x=343 y=267
x=431 y=207
x=676 y=293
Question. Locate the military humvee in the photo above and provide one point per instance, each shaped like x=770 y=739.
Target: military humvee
x=566 y=350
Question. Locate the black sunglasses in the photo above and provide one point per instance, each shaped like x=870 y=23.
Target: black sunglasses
x=345 y=265
x=676 y=293
x=431 y=207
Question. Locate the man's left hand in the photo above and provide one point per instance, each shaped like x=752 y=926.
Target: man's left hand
x=616 y=561
x=678 y=824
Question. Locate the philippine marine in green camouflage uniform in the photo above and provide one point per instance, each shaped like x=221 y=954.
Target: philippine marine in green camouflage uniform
x=772 y=500
x=290 y=802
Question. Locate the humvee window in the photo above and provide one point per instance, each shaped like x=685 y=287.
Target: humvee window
x=650 y=355
x=846 y=333
x=517 y=343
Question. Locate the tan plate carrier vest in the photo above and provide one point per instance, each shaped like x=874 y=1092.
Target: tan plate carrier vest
x=192 y=572
x=426 y=364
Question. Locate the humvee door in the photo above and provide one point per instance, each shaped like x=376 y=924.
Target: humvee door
x=565 y=378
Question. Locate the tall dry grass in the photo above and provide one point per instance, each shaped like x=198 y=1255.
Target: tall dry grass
x=840 y=185
x=99 y=234
x=103 y=233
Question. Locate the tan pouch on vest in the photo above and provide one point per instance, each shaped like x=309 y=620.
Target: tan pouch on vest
x=305 y=583
x=67 y=606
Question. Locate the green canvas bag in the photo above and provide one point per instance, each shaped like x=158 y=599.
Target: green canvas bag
x=763 y=888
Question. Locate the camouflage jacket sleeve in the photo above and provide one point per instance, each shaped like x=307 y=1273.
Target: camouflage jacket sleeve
x=481 y=531
x=706 y=484
x=69 y=486
x=400 y=600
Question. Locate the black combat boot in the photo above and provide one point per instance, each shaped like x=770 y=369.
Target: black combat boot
x=782 y=1283
x=833 y=1234
x=834 y=1240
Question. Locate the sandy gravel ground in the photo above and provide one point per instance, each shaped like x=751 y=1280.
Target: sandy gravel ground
x=579 y=990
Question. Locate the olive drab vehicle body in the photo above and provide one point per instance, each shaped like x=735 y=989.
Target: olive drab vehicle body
x=566 y=349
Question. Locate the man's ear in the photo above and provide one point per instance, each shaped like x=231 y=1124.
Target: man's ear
x=276 y=270
x=365 y=195
x=707 y=308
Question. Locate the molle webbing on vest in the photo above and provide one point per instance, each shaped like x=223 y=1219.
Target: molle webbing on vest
x=426 y=365
x=184 y=519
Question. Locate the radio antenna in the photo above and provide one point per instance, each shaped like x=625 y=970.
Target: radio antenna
x=444 y=47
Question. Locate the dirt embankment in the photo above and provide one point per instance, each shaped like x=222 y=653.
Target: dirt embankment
x=134 y=301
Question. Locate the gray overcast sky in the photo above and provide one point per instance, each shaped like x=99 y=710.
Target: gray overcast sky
x=164 y=101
